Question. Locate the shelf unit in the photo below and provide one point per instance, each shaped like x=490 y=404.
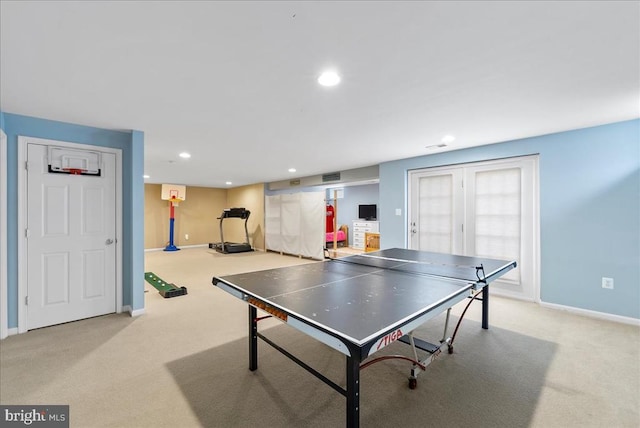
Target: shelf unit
x=371 y=241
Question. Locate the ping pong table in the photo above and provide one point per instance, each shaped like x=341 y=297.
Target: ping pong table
x=360 y=304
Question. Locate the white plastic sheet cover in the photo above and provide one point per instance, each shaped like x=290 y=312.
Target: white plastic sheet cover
x=273 y=240
x=312 y=224
x=294 y=224
x=290 y=223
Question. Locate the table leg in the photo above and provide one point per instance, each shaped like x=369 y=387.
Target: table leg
x=485 y=307
x=253 y=338
x=353 y=392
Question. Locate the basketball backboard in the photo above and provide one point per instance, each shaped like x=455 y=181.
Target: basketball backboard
x=173 y=191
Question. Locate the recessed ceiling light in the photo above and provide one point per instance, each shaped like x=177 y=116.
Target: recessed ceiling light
x=228 y=183
x=329 y=78
x=185 y=155
x=448 y=139
x=146 y=176
x=292 y=170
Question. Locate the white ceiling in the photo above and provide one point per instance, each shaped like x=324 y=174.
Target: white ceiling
x=234 y=83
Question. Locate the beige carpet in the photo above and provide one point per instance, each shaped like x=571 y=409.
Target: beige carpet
x=184 y=364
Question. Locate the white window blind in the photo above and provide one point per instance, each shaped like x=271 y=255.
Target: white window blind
x=498 y=202
x=436 y=213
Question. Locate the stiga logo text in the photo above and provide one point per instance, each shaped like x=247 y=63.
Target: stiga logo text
x=34 y=416
x=389 y=338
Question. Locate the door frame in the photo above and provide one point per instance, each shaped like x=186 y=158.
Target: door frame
x=535 y=251
x=23 y=142
x=4 y=175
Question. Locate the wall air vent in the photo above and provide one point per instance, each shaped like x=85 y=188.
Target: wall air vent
x=436 y=146
x=334 y=176
x=358 y=175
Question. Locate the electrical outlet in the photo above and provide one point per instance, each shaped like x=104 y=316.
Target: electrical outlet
x=186 y=236
x=607 y=283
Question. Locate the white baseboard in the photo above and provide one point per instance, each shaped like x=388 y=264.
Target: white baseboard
x=502 y=293
x=146 y=250
x=181 y=247
x=136 y=313
x=593 y=314
x=10 y=332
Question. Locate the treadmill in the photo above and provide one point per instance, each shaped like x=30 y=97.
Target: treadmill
x=233 y=247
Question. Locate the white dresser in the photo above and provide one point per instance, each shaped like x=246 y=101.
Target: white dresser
x=360 y=227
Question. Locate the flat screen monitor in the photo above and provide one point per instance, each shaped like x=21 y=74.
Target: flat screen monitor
x=368 y=212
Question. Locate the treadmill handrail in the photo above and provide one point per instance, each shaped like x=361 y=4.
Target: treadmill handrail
x=240 y=213
x=235 y=213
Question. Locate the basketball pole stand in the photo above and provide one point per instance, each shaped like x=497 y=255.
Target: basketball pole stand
x=173 y=202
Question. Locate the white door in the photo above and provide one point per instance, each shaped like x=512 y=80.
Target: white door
x=4 y=321
x=71 y=251
x=501 y=220
x=485 y=209
x=437 y=209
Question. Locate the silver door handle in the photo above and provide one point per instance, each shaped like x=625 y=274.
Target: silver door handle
x=108 y=241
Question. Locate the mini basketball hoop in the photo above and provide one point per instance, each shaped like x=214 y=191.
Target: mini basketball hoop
x=175 y=201
x=74 y=171
x=62 y=160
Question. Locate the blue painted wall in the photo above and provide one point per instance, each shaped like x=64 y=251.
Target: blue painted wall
x=132 y=146
x=589 y=211
x=348 y=205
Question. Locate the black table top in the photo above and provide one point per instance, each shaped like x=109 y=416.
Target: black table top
x=360 y=296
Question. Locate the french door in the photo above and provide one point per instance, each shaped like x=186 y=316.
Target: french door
x=484 y=209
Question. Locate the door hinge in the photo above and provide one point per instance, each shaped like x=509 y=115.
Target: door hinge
x=27 y=233
x=462 y=225
x=26 y=165
x=26 y=300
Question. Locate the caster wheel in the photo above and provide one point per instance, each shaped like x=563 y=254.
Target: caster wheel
x=451 y=349
x=413 y=383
